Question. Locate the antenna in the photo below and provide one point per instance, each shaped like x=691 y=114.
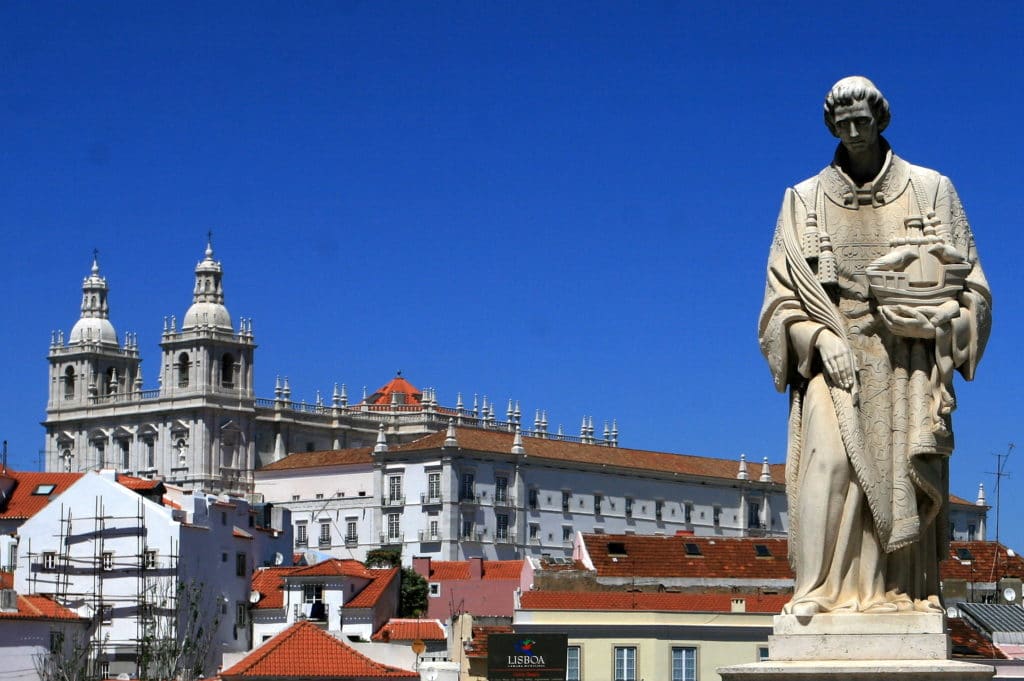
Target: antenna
x=5 y=458
x=1000 y=474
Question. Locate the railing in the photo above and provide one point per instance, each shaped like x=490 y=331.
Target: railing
x=470 y=499
x=504 y=499
x=392 y=501
x=351 y=541
x=424 y=535
x=503 y=538
x=430 y=499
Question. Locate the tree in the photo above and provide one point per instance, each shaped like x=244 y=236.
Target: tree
x=412 y=594
x=378 y=558
x=179 y=628
x=71 y=657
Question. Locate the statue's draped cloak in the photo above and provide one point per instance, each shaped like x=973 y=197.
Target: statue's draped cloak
x=896 y=446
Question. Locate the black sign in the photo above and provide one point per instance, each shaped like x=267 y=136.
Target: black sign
x=526 y=657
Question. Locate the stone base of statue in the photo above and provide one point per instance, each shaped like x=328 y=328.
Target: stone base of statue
x=854 y=647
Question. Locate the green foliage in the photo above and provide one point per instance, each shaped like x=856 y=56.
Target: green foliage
x=178 y=631
x=377 y=558
x=413 y=594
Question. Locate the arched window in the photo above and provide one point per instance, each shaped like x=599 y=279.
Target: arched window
x=69 y=383
x=183 y=365
x=227 y=370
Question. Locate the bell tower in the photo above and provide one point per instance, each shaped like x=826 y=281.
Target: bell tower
x=88 y=370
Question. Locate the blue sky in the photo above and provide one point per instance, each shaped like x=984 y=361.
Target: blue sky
x=565 y=204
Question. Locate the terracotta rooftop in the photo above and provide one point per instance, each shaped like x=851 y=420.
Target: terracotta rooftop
x=371 y=593
x=33 y=491
x=445 y=570
x=140 y=484
x=668 y=602
x=305 y=651
x=337 y=457
x=269 y=582
x=336 y=567
x=382 y=395
x=626 y=555
x=6 y=580
x=410 y=630
x=968 y=642
x=240 y=533
x=960 y=501
x=478 y=645
x=980 y=561
x=33 y=607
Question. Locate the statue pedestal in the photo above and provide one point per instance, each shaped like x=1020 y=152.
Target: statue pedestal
x=856 y=647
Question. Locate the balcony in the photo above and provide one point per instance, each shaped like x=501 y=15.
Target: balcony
x=473 y=499
x=430 y=499
x=351 y=541
x=392 y=502
x=324 y=543
x=424 y=535
x=503 y=538
x=503 y=498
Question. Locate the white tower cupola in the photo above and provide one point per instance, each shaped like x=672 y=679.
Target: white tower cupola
x=94 y=325
x=208 y=297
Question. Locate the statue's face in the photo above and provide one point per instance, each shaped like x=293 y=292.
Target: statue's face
x=856 y=127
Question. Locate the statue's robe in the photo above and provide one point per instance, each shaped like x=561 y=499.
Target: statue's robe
x=867 y=469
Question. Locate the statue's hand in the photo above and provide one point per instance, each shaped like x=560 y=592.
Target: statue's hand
x=836 y=358
x=947 y=254
x=909 y=322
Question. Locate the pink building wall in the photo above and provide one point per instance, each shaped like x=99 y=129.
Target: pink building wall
x=488 y=591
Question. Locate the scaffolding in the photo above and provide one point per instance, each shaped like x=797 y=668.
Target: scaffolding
x=104 y=568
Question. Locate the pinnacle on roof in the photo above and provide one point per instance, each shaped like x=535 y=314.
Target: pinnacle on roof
x=382 y=441
x=207 y=308
x=517 y=443
x=981 y=495
x=93 y=326
x=450 y=440
x=743 y=474
x=766 y=471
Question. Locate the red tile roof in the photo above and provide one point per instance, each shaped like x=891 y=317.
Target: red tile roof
x=23 y=504
x=410 y=630
x=34 y=607
x=967 y=642
x=371 y=593
x=598 y=455
x=960 y=501
x=382 y=395
x=672 y=602
x=989 y=562
x=269 y=582
x=139 y=484
x=445 y=570
x=240 y=533
x=336 y=567
x=305 y=651
x=478 y=646
x=656 y=556
x=6 y=580
x=337 y=457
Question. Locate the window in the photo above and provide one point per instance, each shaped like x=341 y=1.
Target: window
x=534 y=530
x=597 y=504
x=566 y=533
x=762 y=654
x=106 y=613
x=227 y=371
x=44 y=490
x=717 y=515
x=971 y=530
x=312 y=593
x=467 y=529
x=320 y=495
x=693 y=549
x=104 y=669
x=532 y=499
x=433 y=529
x=149 y=559
x=762 y=551
x=466 y=490
x=754 y=515
x=434 y=486
x=434 y=589
x=295 y=497
x=126 y=459
x=49 y=560
x=394 y=528
x=500 y=490
x=502 y=526
x=150 y=453
x=325 y=534
x=12 y=558
x=69 y=383
x=56 y=640
x=629 y=507
x=101 y=453
x=241 y=614
x=572 y=663
x=566 y=497
x=351 y=534
x=684 y=664
x=688 y=512
x=301 y=538
x=183 y=365
x=625 y=663
x=394 y=488
x=240 y=564
x=658 y=508
x=108 y=560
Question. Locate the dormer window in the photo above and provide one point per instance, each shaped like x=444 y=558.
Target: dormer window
x=44 y=490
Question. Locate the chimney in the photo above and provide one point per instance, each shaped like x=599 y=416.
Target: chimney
x=476 y=568
x=739 y=605
x=421 y=564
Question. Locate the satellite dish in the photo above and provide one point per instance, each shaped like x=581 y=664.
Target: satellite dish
x=952 y=613
x=1009 y=594
x=278 y=558
x=1011 y=553
x=254 y=597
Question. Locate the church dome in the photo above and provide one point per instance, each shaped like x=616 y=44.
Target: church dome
x=208 y=308
x=92 y=330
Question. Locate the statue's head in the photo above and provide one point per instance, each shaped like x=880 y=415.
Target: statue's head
x=854 y=89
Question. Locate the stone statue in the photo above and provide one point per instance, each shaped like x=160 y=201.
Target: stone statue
x=874 y=297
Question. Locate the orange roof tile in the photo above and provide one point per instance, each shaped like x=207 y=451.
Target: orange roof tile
x=445 y=570
x=371 y=593
x=382 y=395
x=240 y=533
x=171 y=504
x=336 y=567
x=139 y=484
x=269 y=582
x=674 y=602
x=410 y=630
x=989 y=562
x=337 y=457
x=6 y=580
x=303 y=650
x=656 y=556
x=478 y=645
x=967 y=642
x=24 y=502
x=34 y=607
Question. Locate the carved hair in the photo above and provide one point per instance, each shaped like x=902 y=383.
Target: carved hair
x=855 y=89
